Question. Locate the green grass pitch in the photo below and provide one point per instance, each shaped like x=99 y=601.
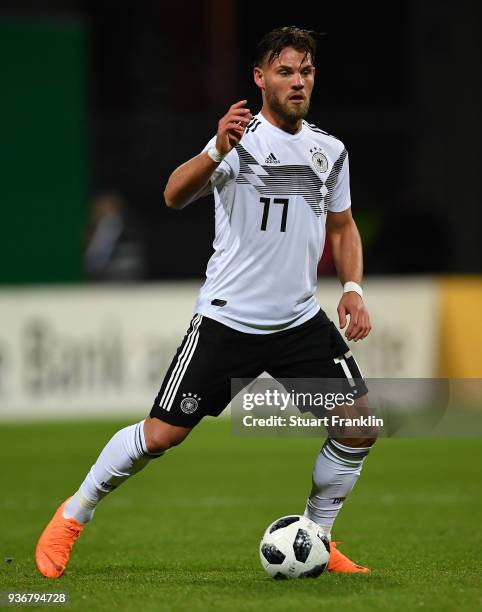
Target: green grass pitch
x=184 y=534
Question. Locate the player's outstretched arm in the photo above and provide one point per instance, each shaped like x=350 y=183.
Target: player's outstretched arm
x=189 y=180
x=347 y=254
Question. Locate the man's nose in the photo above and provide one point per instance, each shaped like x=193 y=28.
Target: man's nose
x=298 y=82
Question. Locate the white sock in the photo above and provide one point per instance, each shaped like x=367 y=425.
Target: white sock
x=123 y=456
x=335 y=473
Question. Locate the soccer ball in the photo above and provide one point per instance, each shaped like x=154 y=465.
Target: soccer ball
x=294 y=547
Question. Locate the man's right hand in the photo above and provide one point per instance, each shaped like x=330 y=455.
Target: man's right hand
x=190 y=179
x=231 y=127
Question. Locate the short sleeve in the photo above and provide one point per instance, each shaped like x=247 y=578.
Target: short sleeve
x=340 y=199
x=227 y=170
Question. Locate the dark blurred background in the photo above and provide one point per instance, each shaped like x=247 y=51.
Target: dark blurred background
x=101 y=101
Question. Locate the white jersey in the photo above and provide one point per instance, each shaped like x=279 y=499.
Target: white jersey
x=272 y=193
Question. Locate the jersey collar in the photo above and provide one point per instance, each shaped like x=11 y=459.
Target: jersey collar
x=276 y=131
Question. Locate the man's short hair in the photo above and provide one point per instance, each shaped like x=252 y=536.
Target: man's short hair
x=271 y=45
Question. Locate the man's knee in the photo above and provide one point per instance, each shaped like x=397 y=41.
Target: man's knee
x=361 y=442
x=161 y=436
x=356 y=436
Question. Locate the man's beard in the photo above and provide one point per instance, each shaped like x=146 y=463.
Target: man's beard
x=290 y=114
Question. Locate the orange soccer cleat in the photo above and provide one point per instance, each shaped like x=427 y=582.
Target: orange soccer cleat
x=55 y=544
x=340 y=563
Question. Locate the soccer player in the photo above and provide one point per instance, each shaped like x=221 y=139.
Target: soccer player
x=280 y=185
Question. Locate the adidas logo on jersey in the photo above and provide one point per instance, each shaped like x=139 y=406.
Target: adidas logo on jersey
x=271 y=159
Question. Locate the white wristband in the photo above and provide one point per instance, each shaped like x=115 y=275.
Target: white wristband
x=352 y=286
x=215 y=155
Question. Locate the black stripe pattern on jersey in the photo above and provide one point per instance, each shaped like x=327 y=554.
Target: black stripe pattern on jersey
x=315 y=128
x=252 y=125
x=289 y=180
x=333 y=179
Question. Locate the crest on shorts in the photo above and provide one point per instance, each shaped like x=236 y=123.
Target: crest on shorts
x=189 y=402
x=319 y=160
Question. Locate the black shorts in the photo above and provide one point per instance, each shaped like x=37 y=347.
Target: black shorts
x=198 y=381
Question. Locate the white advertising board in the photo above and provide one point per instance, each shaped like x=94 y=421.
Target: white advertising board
x=102 y=351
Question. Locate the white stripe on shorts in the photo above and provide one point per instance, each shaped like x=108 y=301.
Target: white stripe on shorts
x=342 y=361
x=183 y=360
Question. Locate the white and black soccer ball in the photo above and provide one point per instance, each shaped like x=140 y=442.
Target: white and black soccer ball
x=294 y=547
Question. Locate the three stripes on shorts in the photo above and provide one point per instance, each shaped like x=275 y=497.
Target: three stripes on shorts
x=182 y=363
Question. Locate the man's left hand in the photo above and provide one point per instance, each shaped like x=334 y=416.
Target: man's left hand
x=359 y=327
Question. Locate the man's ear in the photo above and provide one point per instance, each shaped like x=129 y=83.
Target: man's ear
x=258 y=77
